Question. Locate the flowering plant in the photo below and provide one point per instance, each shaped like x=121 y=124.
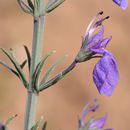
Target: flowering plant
x=105 y=72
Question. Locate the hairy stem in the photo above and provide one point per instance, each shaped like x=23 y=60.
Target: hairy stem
x=36 y=56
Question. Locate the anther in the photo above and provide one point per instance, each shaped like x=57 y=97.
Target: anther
x=107 y=17
x=100 y=13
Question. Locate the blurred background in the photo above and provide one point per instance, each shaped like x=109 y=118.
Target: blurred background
x=61 y=104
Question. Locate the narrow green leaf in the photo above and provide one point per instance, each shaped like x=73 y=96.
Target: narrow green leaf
x=28 y=56
x=25 y=7
x=8 y=121
x=51 y=69
x=9 y=68
x=52 y=4
x=36 y=126
x=30 y=4
x=39 y=67
x=44 y=126
x=23 y=64
x=36 y=7
x=10 y=55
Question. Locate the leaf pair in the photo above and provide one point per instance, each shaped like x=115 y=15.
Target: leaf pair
x=36 y=126
x=18 y=72
x=26 y=7
x=34 y=8
x=35 y=78
x=39 y=69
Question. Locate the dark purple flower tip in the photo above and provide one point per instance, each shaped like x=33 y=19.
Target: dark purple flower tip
x=122 y=3
x=105 y=74
x=2 y=127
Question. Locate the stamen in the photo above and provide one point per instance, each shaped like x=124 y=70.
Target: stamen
x=99 y=23
x=101 y=12
x=92 y=21
x=107 y=17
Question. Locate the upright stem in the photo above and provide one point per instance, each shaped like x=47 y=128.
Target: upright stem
x=36 y=56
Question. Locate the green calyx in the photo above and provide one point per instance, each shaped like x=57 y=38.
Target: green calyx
x=84 y=55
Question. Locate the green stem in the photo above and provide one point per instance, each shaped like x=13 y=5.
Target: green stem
x=36 y=56
x=58 y=77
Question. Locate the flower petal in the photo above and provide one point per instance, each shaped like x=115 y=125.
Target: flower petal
x=87 y=109
x=122 y=3
x=100 y=47
x=94 y=40
x=105 y=74
x=105 y=41
x=99 y=123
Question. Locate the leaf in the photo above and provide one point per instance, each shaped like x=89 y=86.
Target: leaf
x=52 y=4
x=9 y=68
x=25 y=7
x=30 y=4
x=44 y=126
x=9 y=120
x=28 y=56
x=39 y=67
x=36 y=7
x=51 y=69
x=36 y=126
x=23 y=64
x=10 y=55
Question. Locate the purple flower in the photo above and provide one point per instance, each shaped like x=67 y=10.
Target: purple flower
x=122 y=3
x=92 y=124
x=105 y=73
